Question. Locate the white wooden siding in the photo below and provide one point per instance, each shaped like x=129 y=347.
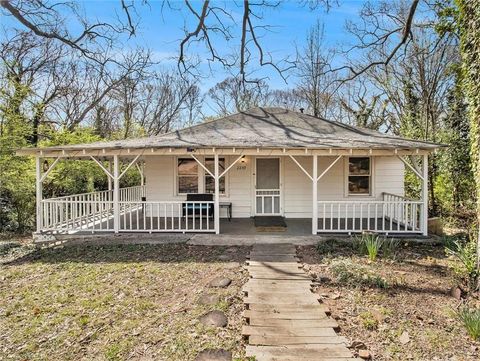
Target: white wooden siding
x=161 y=183
x=388 y=176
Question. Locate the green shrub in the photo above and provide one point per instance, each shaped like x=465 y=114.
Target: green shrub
x=369 y=244
x=471 y=321
x=350 y=274
x=464 y=249
x=368 y=320
x=390 y=248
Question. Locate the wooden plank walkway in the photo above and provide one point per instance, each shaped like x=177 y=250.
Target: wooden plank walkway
x=285 y=321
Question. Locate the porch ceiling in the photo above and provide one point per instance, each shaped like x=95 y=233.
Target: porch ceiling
x=266 y=130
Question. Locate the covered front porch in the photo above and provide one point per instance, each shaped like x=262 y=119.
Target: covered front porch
x=95 y=213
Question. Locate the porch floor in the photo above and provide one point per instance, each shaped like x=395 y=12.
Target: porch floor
x=237 y=232
x=238 y=226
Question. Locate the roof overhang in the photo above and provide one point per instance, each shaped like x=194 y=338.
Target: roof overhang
x=131 y=152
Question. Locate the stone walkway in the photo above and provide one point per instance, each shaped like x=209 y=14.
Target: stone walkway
x=285 y=321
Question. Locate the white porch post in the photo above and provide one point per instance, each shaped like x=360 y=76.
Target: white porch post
x=116 y=194
x=424 y=216
x=216 y=206
x=109 y=179
x=315 y=195
x=39 y=192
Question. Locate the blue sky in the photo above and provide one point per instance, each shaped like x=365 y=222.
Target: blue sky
x=290 y=23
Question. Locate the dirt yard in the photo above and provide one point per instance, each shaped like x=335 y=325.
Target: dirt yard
x=116 y=302
x=397 y=309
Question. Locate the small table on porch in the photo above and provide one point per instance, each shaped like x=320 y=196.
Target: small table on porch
x=228 y=206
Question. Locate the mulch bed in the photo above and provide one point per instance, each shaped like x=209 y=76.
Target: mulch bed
x=411 y=318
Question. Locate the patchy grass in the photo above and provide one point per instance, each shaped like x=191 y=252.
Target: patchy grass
x=399 y=306
x=351 y=274
x=471 y=321
x=116 y=302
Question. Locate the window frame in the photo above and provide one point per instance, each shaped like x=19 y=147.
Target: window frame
x=370 y=175
x=178 y=175
x=201 y=175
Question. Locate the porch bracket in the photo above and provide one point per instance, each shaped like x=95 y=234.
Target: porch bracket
x=202 y=165
x=140 y=171
x=49 y=169
x=129 y=165
x=107 y=172
x=417 y=173
x=301 y=167
x=230 y=166
x=329 y=167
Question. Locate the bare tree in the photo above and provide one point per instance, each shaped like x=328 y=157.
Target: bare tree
x=292 y=99
x=32 y=69
x=89 y=84
x=54 y=22
x=364 y=109
x=234 y=95
x=386 y=23
x=193 y=106
x=316 y=82
x=162 y=101
x=214 y=20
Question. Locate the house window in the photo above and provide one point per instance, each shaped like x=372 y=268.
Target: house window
x=359 y=176
x=209 y=181
x=187 y=170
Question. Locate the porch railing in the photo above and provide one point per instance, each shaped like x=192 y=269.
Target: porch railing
x=127 y=194
x=167 y=216
x=392 y=214
x=92 y=211
x=95 y=212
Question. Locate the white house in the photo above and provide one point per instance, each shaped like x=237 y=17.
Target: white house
x=262 y=162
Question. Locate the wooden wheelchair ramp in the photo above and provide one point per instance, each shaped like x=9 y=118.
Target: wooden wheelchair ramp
x=285 y=321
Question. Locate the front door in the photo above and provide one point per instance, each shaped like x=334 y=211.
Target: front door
x=267 y=186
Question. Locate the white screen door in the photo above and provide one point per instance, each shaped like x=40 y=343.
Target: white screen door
x=267 y=192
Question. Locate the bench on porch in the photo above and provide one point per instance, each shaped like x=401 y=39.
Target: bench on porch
x=194 y=206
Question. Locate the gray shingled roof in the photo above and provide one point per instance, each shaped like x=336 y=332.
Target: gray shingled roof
x=266 y=128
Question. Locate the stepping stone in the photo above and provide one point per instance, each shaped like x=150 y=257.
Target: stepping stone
x=292 y=340
x=298 y=352
x=208 y=299
x=214 y=355
x=214 y=318
x=289 y=323
x=253 y=316
x=298 y=331
x=221 y=282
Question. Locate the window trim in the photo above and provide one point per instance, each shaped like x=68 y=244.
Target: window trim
x=371 y=192
x=177 y=176
x=200 y=175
